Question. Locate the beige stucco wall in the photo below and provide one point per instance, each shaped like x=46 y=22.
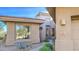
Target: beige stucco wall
x=35 y=37
x=63 y=33
x=43 y=32
x=11 y=34
x=48 y=20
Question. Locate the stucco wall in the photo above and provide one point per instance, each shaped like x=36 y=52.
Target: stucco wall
x=35 y=37
x=63 y=33
x=48 y=20
x=43 y=32
x=11 y=34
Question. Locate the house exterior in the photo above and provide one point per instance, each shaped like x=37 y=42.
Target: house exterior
x=11 y=23
x=67 y=28
x=47 y=27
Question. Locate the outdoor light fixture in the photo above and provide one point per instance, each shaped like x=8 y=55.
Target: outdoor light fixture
x=63 y=22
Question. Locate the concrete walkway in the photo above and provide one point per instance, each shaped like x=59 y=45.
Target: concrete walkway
x=51 y=41
x=37 y=48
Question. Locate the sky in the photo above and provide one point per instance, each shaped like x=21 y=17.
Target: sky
x=29 y=12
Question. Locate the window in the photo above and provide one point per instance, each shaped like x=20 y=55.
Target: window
x=22 y=32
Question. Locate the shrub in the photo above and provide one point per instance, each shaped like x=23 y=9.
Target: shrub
x=45 y=48
x=49 y=45
x=1 y=38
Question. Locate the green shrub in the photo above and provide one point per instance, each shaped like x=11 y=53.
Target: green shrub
x=1 y=38
x=45 y=48
x=49 y=45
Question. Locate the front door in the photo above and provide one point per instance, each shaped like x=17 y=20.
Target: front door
x=75 y=34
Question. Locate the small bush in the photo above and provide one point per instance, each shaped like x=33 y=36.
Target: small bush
x=49 y=45
x=1 y=38
x=45 y=48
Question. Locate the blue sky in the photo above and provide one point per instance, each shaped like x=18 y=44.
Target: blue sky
x=21 y=11
x=29 y=12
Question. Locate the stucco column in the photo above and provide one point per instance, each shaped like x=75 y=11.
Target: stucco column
x=34 y=36
x=11 y=33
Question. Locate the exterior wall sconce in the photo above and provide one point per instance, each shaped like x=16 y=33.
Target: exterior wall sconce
x=63 y=22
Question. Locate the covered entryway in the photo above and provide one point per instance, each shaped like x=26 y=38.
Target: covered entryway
x=12 y=29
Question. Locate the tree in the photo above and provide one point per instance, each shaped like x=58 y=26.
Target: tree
x=22 y=32
x=2 y=32
x=2 y=24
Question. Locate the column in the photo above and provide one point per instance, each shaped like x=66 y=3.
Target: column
x=34 y=37
x=11 y=33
